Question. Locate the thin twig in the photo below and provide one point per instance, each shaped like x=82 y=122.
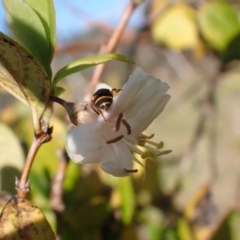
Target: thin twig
x=56 y=201
x=212 y=105
x=57 y=183
x=186 y=160
x=111 y=45
x=23 y=185
x=208 y=113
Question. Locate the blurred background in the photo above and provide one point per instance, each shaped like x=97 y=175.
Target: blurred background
x=191 y=193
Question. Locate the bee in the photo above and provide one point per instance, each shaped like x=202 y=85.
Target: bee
x=103 y=99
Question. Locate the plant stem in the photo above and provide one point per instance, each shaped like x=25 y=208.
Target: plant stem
x=111 y=45
x=70 y=107
x=57 y=100
x=23 y=186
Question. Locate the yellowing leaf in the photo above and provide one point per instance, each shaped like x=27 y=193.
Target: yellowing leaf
x=176 y=28
x=20 y=219
x=23 y=76
x=219 y=23
x=11 y=160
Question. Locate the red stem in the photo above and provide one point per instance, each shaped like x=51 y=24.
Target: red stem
x=111 y=45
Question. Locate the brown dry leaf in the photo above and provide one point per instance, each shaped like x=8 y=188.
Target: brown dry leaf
x=21 y=220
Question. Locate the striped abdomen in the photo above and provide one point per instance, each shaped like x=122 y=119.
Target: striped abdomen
x=103 y=99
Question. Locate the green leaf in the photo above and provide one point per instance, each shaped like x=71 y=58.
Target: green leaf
x=128 y=199
x=176 y=28
x=27 y=25
x=232 y=52
x=219 y=23
x=84 y=63
x=229 y=228
x=46 y=13
x=58 y=90
x=23 y=76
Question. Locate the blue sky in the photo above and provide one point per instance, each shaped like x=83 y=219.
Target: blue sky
x=72 y=15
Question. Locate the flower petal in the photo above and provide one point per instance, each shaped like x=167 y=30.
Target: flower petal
x=82 y=140
x=91 y=157
x=114 y=169
x=86 y=116
x=142 y=99
x=137 y=94
x=117 y=159
x=141 y=122
x=126 y=97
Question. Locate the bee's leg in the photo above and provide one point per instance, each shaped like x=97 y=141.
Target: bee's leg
x=94 y=108
x=102 y=115
x=97 y=110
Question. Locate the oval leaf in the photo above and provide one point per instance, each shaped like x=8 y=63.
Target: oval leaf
x=84 y=63
x=28 y=27
x=46 y=13
x=219 y=23
x=176 y=28
x=23 y=76
x=20 y=219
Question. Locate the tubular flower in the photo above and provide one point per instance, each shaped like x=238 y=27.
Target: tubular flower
x=112 y=136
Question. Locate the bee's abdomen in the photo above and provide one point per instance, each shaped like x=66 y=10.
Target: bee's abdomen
x=104 y=102
x=103 y=99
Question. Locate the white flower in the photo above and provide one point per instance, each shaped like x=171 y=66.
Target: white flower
x=113 y=139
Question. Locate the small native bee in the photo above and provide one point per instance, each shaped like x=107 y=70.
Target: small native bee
x=103 y=99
